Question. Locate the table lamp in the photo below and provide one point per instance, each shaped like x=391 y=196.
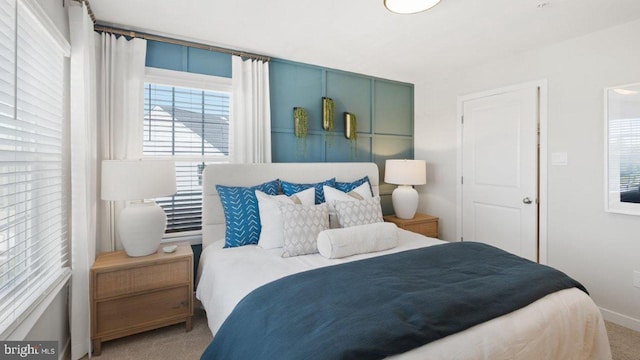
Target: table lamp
x=405 y=174
x=142 y=222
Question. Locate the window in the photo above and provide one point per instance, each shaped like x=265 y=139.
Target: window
x=33 y=180
x=186 y=117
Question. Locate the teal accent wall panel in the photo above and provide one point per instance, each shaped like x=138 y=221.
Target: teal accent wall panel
x=294 y=86
x=183 y=58
x=291 y=149
x=393 y=108
x=390 y=147
x=383 y=108
x=386 y=204
x=351 y=93
x=209 y=63
x=166 y=56
x=339 y=149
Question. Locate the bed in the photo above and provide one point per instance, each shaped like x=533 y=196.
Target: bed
x=564 y=324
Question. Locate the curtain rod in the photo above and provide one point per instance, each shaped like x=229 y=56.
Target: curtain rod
x=146 y=36
x=89 y=10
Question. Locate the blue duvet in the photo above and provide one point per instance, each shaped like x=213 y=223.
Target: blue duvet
x=374 y=308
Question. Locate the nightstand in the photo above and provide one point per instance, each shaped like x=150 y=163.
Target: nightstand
x=135 y=294
x=426 y=225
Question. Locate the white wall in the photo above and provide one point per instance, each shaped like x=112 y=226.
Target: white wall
x=599 y=249
x=53 y=325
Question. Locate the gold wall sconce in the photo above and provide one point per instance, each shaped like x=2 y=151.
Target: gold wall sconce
x=350 y=126
x=327 y=114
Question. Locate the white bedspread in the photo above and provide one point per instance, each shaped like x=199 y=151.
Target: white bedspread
x=563 y=325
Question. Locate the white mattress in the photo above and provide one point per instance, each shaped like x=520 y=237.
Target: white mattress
x=562 y=325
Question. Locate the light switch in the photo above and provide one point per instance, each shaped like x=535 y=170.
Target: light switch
x=559 y=159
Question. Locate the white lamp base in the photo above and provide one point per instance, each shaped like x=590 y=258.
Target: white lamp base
x=140 y=226
x=405 y=201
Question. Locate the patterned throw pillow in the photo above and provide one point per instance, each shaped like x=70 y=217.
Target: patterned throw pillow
x=349 y=186
x=292 y=188
x=332 y=196
x=354 y=213
x=272 y=232
x=302 y=224
x=241 y=213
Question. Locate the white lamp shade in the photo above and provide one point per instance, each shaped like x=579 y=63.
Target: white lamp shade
x=405 y=172
x=138 y=179
x=409 y=6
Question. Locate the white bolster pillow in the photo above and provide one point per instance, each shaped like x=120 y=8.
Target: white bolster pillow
x=343 y=242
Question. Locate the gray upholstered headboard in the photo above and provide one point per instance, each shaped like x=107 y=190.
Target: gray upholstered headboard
x=213 y=225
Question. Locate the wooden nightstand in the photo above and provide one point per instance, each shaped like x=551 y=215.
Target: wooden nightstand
x=426 y=225
x=135 y=294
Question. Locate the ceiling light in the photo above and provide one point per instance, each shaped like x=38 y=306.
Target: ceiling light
x=409 y=6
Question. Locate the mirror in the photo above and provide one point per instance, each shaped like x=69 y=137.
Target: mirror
x=622 y=149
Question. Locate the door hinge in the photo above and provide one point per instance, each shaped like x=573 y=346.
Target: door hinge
x=462 y=180
x=462 y=119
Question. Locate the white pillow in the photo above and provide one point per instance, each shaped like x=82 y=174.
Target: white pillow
x=302 y=224
x=354 y=213
x=331 y=195
x=339 y=243
x=271 y=233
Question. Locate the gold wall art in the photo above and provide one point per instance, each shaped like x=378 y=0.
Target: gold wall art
x=327 y=114
x=300 y=130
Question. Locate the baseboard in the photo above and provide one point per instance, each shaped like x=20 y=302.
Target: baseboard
x=66 y=352
x=622 y=320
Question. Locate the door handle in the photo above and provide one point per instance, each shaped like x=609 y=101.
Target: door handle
x=527 y=200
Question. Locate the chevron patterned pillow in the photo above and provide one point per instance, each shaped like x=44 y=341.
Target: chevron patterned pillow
x=292 y=188
x=349 y=186
x=241 y=213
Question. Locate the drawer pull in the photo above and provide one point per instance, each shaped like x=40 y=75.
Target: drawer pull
x=182 y=304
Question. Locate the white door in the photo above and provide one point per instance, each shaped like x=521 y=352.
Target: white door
x=500 y=171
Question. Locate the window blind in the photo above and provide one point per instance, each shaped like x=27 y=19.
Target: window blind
x=33 y=196
x=623 y=136
x=192 y=126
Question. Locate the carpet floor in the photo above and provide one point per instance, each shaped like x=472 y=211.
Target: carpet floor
x=173 y=342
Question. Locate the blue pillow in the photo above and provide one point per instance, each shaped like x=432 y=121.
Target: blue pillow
x=348 y=186
x=291 y=188
x=241 y=213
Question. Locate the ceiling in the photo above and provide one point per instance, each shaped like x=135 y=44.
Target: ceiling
x=363 y=37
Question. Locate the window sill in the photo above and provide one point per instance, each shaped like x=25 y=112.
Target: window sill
x=28 y=320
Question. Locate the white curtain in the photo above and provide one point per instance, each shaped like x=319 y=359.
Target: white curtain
x=251 y=112
x=120 y=84
x=84 y=197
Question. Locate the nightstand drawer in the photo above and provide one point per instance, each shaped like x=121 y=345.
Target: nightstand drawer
x=426 y=225
x=128 y=281
x=428 y=229
x=142 y=310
